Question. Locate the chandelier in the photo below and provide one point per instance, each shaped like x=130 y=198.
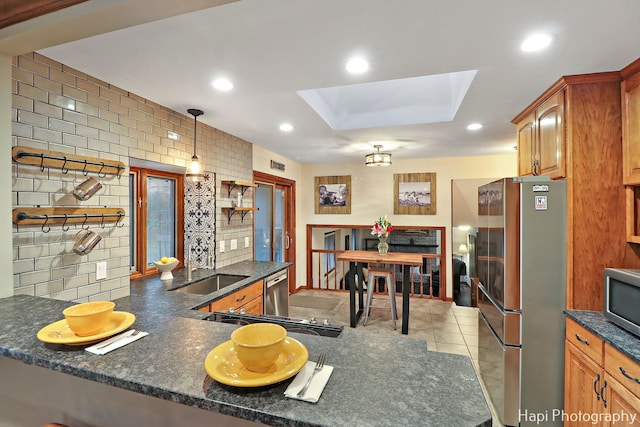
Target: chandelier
x=377 y=158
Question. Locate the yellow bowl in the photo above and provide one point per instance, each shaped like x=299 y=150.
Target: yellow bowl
x=258 y=345
x=88 y=318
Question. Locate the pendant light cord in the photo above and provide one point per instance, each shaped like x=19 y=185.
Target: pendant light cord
x=195 y=113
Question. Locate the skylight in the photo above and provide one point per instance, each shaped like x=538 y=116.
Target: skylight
x=414 y=100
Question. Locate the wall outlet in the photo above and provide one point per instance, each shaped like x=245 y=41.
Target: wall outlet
x=101 y=270
x=246 y=242
x=234 y=244
x=221 y=246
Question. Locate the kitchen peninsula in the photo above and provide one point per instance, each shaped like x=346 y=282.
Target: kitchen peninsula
x=160 y=379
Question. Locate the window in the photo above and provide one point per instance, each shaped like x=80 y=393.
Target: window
x=330 y=245
x=157 y=217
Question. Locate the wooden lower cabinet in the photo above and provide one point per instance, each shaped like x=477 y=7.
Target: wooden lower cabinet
x=249 y=299
x=619 y=400
x=594 y=393
x=583 y=380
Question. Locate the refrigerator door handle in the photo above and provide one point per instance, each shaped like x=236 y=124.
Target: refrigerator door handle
x=490 y=297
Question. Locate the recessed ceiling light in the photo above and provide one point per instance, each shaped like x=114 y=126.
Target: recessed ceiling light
x=474 y=126
x=357 y=66
x=222 y=84
x=536 y=42
x=286 y=127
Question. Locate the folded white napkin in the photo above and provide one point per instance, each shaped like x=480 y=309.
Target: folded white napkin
x=127 y=338
x=316 y=387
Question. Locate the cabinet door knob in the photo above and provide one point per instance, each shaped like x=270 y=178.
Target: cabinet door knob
x=595 y=386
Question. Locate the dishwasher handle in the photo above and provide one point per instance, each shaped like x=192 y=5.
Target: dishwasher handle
x=272 y=281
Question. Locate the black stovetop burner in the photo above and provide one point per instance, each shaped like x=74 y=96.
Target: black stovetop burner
x=291 y=325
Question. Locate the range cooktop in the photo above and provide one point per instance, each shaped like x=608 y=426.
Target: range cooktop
x=303 y=326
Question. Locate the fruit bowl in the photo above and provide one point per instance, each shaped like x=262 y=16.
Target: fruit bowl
x=166 y=265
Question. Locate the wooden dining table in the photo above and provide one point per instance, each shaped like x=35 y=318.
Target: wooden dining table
x=357 y=259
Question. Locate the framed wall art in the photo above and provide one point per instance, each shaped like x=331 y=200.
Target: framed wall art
x=333 y=194
x=414 y=193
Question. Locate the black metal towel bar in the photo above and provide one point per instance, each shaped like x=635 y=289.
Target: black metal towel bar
x=65 y=159
x=21 y=216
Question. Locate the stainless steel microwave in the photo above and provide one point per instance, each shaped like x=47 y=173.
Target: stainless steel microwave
x=622 y=298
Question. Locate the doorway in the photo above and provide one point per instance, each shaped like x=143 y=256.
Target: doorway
x=274 y=222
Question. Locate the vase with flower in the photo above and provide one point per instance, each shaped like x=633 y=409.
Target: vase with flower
x=381 y=229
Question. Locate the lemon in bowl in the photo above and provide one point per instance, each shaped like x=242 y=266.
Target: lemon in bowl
x=165 y=265
x=88 y=318
x=258 y=345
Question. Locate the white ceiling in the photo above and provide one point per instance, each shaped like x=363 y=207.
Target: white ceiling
x=273 y=49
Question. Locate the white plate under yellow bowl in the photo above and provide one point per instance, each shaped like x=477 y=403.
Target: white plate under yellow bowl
x=60 y=333
x=223 y=365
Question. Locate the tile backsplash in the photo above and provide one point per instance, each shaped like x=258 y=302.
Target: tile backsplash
x=58 y=108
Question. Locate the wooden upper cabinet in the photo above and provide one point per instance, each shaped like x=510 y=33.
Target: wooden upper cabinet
x=631 y=125
x=541 y=138
x=550 y=133
x=577 y=123
x=527 y=150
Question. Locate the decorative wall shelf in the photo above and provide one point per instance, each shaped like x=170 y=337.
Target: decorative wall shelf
x=242 y=185
x=66 y=162
x=231 y=211
x=67 y=216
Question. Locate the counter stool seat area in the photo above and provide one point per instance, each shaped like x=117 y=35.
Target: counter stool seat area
x=375 y=273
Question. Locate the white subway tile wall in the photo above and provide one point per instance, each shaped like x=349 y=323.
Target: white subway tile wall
x=61 y=109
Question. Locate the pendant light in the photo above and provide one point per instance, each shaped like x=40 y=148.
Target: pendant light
x=377 y=158
x=194 y=172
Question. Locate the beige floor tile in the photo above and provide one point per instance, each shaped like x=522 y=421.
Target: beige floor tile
x=465 y=311
x=471 y=340
x=452 y=348
x=443 y=318
x=469 y=329
x=448 y=338
x=464 y=320
x=473 y=352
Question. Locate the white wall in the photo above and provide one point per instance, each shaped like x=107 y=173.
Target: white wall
x=372 y=191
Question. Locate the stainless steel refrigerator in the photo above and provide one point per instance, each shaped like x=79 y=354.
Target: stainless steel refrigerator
x=521 y=255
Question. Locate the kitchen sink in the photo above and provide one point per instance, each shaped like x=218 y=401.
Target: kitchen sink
x=210 y=284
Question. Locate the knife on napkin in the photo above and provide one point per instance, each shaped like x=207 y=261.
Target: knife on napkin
x=316 y=387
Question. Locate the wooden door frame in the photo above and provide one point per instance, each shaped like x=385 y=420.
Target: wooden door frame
x=290 y=215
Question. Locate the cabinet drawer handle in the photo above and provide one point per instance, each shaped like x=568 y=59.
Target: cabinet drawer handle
x=595 y=386
x=241 y=298
x=629 y=376
x=604 y=401
x=582 y=340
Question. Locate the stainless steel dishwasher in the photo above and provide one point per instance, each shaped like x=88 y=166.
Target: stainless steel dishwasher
x=277 y=294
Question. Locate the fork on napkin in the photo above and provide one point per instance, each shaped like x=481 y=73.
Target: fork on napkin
x=117 y=341
x=318 y=382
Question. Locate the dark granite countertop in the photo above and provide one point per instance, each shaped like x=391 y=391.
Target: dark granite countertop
x=595 y=322
x=151 y=287
x=378 y=380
